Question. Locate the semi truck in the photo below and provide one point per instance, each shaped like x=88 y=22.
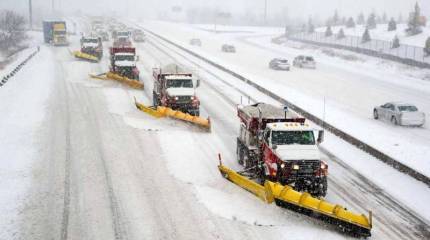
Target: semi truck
x=175 y=88
x=121 y=39
x=278 y=145
x=55 y=33
x=123 y=62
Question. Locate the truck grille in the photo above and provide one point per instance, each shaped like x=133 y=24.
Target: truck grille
x=306 y=167
x=184 y=98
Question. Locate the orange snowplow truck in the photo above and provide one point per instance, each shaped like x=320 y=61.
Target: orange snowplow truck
x=278 y=145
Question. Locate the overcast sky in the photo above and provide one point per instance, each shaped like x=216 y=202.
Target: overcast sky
x=303 y=8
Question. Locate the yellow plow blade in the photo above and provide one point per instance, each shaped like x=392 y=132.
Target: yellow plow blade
x=285 y=196
x=199 y=121
x=245 y=183
x=149 y=110
x=113 y=76
x=168 y=112
x=81 y=55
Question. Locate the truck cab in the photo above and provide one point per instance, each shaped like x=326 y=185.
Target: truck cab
x=281 y=147
x=177 y=91
x=92 y=46
x=55 y=33
x=123 y=62
x=292 y=157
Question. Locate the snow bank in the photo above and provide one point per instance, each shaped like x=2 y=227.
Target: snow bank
x=22 y=110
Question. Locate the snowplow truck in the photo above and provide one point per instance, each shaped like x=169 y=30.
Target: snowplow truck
x=92 y=46
x=278 y=145
x=121 y=39
x=174 y=88
x=55 y=33
x=138 y=36
x=123 y=62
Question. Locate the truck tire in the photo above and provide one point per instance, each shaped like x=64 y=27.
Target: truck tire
x=375 y=114
x=323 y=187
x=239 y=152
x=154 y=99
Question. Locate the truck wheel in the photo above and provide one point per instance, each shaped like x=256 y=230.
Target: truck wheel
x=393 y=120
x=323 y=187
x=239 y=153
x=375 y=114
x=154 y=99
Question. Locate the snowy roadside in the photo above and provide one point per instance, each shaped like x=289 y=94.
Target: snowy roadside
x=381 y=33
x=22 y=111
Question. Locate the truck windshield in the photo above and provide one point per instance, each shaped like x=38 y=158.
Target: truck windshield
x=124 y=58
x=90 y=40
x=60 y=32
x=293 y=137
x=180 y=83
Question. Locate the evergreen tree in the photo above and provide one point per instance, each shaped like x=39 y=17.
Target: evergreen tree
x=366 y=36
x=350 y=23
x=371 y=21
x=400 y=18
x=311 y=27
x=335 y=19
x=427 y=47
x=340 y=34
x=328 y=31
x=384 y=18
x=304 y=27
x=396 y=42
x=414 y=25
x=360 y=19
x=392 y=25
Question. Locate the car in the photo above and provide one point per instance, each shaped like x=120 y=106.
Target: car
x=228 y=48
x=398 y=113
x=196 y=42
x=304 y=62
x=279 y=64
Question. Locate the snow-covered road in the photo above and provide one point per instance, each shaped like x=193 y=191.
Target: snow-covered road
x=100 y=169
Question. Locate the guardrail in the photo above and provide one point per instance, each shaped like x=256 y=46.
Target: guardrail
x=406 y=54
x=6 y=78
x=339 y=133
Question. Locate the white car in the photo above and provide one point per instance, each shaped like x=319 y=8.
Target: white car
x=304 y=62
x=228 y=48
x=400 y=114
x=196 y=42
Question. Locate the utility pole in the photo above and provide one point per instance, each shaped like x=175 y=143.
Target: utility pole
x=30 y=14
x=265 y=12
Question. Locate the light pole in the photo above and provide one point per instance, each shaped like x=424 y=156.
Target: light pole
x=30 y=14
x=265 y=12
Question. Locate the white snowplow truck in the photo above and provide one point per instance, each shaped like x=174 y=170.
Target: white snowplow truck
x=92 y=46
x=278 y=145
x=175 y=88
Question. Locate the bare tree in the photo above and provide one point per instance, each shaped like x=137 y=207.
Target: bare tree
x=12 y=31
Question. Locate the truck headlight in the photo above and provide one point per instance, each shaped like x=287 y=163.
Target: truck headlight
x=176 y=98
x=296 y=167
x=282 y=165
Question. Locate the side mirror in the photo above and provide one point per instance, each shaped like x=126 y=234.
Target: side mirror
x=274 y=146
x=320 y=136
x=137 y=58
x=198 y=83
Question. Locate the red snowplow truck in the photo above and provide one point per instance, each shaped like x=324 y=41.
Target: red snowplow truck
x=175 y=89
x=280 y=146
x=123 y=62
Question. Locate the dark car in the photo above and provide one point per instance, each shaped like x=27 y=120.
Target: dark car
x=279 y=64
